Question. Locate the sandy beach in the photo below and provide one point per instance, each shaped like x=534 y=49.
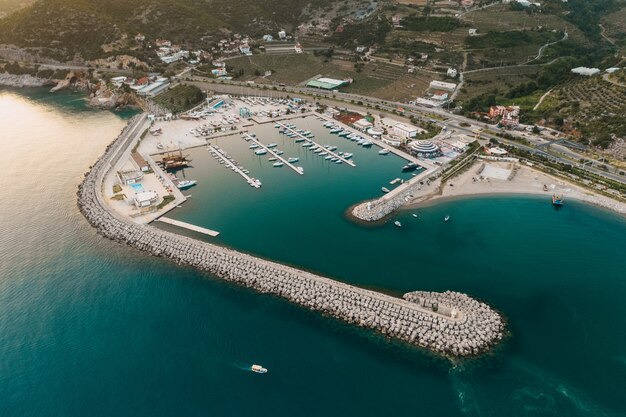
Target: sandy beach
x=493 y=178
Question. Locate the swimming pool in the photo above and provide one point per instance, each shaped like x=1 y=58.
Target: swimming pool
x=138 y=188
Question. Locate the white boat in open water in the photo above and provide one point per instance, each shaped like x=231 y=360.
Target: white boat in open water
x=258 y=369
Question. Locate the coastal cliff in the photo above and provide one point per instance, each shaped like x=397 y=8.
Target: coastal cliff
x=448 y=323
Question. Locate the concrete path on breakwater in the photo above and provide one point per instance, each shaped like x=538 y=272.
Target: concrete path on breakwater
x=449 y=323
x=189 y=226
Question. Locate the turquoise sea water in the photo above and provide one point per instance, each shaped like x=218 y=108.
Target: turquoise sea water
x=90 y=327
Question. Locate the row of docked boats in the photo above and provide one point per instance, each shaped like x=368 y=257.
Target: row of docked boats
x=259 y=150
x=344 y=133
x=224 y=159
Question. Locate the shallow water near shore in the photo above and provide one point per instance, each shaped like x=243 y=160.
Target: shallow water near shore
x=90 y=327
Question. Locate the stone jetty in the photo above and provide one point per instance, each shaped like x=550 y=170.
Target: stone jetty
x=449 y=323
x=374 y=210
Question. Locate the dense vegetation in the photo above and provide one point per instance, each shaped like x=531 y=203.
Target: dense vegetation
x=369 y=32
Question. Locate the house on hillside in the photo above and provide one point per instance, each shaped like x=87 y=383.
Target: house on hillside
x=509 y=115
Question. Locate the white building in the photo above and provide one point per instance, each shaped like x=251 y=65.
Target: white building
x=362 y=124
x=586 y=71
x=154 y=88
x=442 y=85
x=145 y=199
x=425 y=149
x=282 y=35
x=452 y=72
x=332 y=112
x=392 y=140
x=268 y=38
x=118 y=81
x=405 y=130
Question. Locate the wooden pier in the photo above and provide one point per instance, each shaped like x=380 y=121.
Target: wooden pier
x=188 y=226
x=342 y=159
x=273 y=153
x=227 y=162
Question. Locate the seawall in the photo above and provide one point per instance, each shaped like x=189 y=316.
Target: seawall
x=449 y=323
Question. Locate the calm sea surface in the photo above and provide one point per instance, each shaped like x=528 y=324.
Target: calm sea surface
x=89 y=327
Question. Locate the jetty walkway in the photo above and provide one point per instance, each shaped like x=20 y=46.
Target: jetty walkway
x=189 y=226
x=339 y=157
x=449 y=323
x=249 y=137
x=227 y=162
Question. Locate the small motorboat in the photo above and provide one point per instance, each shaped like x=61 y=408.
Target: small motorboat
x=383 y=152
x=278 y=164
x=447 y=218
x=385 y=189
x=292 y=160
x=397 y=223
x=184 y=184
x=258 y=369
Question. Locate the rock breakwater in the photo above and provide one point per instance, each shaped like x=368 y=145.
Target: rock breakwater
x=448 y=323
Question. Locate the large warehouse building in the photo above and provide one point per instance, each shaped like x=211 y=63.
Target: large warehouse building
x=327 y=83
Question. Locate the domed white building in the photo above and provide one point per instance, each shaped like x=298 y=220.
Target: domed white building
x=424 y=149
x=376 y=131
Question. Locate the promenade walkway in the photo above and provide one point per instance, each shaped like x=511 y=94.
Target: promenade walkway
x=189 y=226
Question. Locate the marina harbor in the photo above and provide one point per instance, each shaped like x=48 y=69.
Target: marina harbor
x=417 y=319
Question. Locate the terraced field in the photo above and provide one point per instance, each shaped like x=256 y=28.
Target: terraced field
x=593 y=107
x=501 y=19
x=500 y=79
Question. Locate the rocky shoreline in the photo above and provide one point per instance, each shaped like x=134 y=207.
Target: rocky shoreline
x=23 y=80
x=448 y=323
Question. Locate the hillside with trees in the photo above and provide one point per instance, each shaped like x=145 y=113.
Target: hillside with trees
x=63 y=28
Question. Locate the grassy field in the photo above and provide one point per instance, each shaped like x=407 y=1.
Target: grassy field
x=507 y=48
x=497 y=79
x=501 y=19
x=288 y=69
x=180 y=98
x=615 y=23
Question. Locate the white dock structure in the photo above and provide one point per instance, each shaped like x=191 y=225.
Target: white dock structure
x=342 y=159
x=252 y=181
x=274 y=154
x=188 y=226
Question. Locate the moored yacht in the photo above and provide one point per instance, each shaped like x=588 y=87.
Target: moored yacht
x=184 y=184
x=411 y=166
x=383 y=152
